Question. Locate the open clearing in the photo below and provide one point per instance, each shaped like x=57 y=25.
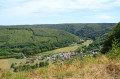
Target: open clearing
x=4 y=65
x=87 y=42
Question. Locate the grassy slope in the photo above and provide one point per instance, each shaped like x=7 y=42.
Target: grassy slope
x=90 y=68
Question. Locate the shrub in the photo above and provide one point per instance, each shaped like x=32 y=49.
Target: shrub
x=114 y=53
x=42 y=64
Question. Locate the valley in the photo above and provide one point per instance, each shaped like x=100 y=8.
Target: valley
x=29 y=52
x=49 y=55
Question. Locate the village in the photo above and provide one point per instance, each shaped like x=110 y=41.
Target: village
x=46 y=59
x=63 y=56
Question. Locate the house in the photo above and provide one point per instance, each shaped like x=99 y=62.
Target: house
x=48 y=58
x=73 y=53
x=40 y=59
x=67 y=55
x=61 y=57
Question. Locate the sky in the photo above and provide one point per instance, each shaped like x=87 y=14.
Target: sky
x=20 y=12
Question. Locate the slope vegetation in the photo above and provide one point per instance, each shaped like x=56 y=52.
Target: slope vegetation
x=86 y=30
x=33 y=40
x=113 y=40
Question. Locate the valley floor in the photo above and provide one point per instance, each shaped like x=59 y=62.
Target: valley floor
x=70 y=48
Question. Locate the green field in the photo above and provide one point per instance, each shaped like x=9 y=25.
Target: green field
x=70 y=48
x=87 y=42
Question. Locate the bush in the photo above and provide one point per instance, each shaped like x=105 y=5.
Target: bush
x=42 y=64
x=114 y=53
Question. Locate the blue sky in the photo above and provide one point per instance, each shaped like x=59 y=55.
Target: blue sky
x=17 y=12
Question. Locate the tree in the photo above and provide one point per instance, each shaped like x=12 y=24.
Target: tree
x=114 y=35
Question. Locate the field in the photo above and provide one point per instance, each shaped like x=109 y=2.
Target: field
x=4 y=65
x=70 y=48
x=64 y=49
x=87 y=42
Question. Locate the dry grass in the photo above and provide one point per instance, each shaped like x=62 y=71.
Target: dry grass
x=4 y=65
x=90 y=68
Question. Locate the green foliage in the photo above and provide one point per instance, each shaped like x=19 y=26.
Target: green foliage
x=86 y=30
x=115 y=35
x=32 y=40
x=114 y=53
x=29 y=67
x=42 y=64
x=12 y=65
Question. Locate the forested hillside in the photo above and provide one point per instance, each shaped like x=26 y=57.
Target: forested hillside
x=32 y=40
x=83 y=30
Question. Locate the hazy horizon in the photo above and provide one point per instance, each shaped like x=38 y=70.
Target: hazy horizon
x=53 y=24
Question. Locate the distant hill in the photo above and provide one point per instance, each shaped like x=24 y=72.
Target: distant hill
x=30 y=39
x=83 y=30
x=89 y=30
x=33 y=40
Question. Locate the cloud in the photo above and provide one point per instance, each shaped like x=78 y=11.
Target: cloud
x=28 y=11
x=117 y=2
x=103 y=16
x=26 y=7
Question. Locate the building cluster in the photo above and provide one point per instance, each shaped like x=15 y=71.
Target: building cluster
x=61 y=56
